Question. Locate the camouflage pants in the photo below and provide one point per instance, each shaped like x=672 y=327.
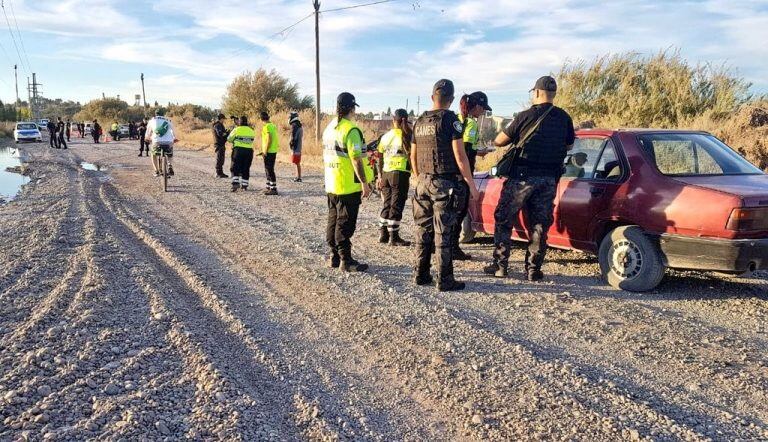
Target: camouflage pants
x=537 y=196
x=436 y=206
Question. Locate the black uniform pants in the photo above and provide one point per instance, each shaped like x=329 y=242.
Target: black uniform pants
x=342 y=222
x=69 y=132
x=95 y=137
x=537 y=196
x=143 y=146
x=437 y=202
x=220 y=151
x=472 y=156
x=242 y=158
x=394 y=193
x=62 y=142
x=53 y=140
x=269 y=168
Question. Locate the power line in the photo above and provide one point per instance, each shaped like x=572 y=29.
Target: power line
x=13 y=37
x=357 y=6
x=23 y=46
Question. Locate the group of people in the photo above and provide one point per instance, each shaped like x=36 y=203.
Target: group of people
x=439 y=151
x=60 y=132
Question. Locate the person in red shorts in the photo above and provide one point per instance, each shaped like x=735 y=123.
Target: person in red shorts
x=297 y=135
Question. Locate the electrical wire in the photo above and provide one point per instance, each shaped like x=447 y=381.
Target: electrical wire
x=13 y=37
x=358 y=6
x=23 y=46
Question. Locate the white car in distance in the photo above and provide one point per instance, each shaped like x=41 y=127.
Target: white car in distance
x=27 y=131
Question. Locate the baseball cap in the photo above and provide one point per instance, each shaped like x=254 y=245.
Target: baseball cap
x=346 y=99
x=481 y=99
x=546 y=83
x=443 y=87
x=401 y=113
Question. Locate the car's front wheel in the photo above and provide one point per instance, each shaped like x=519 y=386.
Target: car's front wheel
x=630 y=261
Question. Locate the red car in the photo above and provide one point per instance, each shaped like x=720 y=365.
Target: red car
x=644 y=200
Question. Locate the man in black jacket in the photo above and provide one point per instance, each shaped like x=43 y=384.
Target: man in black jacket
x=53 y=139
x=220 y=134
x=61 y=130
x=96 y=131
x=143 y=133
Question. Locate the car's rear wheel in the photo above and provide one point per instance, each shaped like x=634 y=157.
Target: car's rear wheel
x=630 y=261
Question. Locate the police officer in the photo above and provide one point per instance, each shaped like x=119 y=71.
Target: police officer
x=440 y=164
x=394 y=177
x=242 y=138
x=220 y=134
x=471 y=107
x=346 y=182
x=60 y=131
x=96 y=132
x=69 y=129
x=547 y=133
x=143 y=145
x=270 y=145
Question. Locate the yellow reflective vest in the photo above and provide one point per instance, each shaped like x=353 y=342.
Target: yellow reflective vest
x=342 y=144
x=395 y=154
x=274 y=144
x=471 y=132
x=242 y=136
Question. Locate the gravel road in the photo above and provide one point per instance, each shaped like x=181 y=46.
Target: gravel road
x=127 y=313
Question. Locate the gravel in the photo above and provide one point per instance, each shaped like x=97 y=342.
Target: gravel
x=134 y=314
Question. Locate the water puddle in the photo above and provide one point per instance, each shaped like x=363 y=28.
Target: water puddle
x=10 y=180
x=90 y=166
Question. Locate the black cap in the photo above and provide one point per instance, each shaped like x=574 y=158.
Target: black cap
x=481 y=99
x=546 y=83
x=401 y=113
x=346 y=100
x=443 y=87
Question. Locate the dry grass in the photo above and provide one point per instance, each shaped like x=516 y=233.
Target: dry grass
x=6 y=129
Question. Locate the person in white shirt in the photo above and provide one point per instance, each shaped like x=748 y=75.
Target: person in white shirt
x=160 y=136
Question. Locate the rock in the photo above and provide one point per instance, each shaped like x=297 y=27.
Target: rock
x=92 y=426
x=44 y=390
x=159 y=316
x=162 y=428
x=91 y=383
x=116 y=350
x=41 y=418
x=634 y=434
x=9 y=395
x=477 y=420
x=53 y=331
x=111 y=389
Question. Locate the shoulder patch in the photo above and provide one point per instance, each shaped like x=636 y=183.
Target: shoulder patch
x=457 y=125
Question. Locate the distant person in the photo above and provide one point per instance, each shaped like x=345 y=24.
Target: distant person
x=82 y=130
x=53 y=138
x=543 y=134
x=394 y=177
x=270 y=145
x=142 y=131
x=345 y=183
x=160 y=138
x=297 y=140
x=131 y=130
x=96 y=131
x=69 y=130
x=220 y=134
x=61 y=131
x=113 y=132
x=242 y=138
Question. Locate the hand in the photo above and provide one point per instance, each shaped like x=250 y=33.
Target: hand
x=474 y=195
x=379 y=184
x=366 y=190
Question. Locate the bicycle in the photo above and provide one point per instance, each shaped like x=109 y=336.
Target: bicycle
x=162 y=150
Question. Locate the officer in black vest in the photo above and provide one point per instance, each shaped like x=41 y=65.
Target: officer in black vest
x=220 y=134
x=443 y=175
x=533 y=181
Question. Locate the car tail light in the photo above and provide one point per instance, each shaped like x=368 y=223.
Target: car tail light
x=748 y=219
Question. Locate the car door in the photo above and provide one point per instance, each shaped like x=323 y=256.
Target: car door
x=587 y=198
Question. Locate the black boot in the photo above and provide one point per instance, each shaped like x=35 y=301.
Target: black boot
x=334 y=261
x=383 y=235
x=450 y=285
x=421 y=273
x=495 y=270
x=395 y=240
x=459 y=255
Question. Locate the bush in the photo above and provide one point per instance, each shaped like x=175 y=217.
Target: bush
x=255 y=92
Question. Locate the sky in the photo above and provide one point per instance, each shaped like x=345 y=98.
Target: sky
x=387 y=54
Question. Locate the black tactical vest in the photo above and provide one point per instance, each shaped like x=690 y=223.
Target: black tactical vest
x=546 y=147
x=434 y=154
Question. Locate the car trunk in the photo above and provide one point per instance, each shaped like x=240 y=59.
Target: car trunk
x=752 y=189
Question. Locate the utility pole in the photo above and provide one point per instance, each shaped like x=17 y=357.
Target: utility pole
x=16 y=76
x=143 y=94
x=33 y=91
x=316 y=4
x=418 y=106
x=406 y=105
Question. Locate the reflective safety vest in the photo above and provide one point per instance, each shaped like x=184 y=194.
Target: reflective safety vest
x=342 y=144
x=114 y=126
x=395 y=154
x=471 y=132
x=242 y=136
x=274 y=145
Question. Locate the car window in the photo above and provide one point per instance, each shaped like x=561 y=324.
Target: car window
x=691 y=154
x=580 y=161
x=28 y=126
x=609 y=166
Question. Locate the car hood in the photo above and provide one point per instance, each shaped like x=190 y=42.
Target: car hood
x=752 y=188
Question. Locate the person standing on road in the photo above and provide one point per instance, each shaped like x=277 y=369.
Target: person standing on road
x=297 y=140
x=96 y=131
x=114 y=131
x=394 y=177
x=440 y=164
x=160 y=137
x=220 y=134
x=471 y=107
x=242 y=138
x=345 y=183
x=53 y=140
x=270 y=145
x=543 y=135
x=61 y=130
x=69 y=130
x=143 y=146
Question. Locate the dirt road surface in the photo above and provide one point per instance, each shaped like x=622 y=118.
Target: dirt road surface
x=127 y=313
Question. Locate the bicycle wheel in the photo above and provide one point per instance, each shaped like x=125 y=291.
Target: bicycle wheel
x=164 y=166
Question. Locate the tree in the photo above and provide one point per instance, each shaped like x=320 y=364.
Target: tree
x=254 y=92
x=389 y=112
x=411 y=113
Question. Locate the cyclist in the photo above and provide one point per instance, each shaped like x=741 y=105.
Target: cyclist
x=161 y=138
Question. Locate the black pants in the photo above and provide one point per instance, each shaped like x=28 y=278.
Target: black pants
x=472 y=157
x=220 y=151
x=143 y=146
x=436 y=206
x=241 y=165
x=62 y=142
x=269 y=168
x=95 y=138
x=68 y=134
x=342 y=222
x=537 y=195
x=394 y=192
x=53 y=140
